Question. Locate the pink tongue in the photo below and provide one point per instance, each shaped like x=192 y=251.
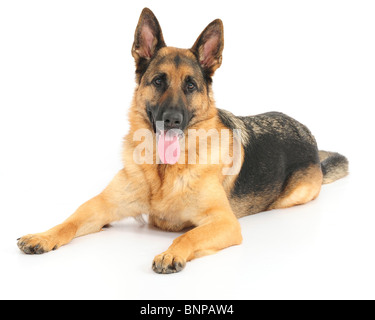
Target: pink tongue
x=168 y=147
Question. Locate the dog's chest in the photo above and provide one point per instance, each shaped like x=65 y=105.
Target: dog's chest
x=176 y=196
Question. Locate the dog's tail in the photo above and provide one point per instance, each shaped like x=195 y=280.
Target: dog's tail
x=334 y=166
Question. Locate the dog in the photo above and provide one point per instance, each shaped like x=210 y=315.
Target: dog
x=263 y=162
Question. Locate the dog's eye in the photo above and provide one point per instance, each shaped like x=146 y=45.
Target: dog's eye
x=157 y=82
x=191 y=86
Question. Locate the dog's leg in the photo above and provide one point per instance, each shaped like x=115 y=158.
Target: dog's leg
x=120 y=199
x=302 y=187
x=217 y=229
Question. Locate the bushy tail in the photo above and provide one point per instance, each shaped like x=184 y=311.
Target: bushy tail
x=334 y=166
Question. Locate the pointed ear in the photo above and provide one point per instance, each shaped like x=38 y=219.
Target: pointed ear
x=209 y=47
x=148 y=39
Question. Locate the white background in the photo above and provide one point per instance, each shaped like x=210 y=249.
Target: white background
x=66 y=82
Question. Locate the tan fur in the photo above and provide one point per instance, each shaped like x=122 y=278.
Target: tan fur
x=324 y=155
x=250 y=204
x=302 y=187
x=175 y=196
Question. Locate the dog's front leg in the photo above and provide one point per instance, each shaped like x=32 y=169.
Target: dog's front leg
x=217 y=229
x=122 y=198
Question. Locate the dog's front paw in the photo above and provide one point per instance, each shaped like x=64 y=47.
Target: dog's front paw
x=168 y=263
x=37 y=243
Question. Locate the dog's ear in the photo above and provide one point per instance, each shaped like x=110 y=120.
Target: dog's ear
x=209 y=47
x=148 y=39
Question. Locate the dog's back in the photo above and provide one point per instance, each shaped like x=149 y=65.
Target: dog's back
x=278 y=151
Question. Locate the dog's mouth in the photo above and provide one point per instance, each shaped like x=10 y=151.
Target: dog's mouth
x=168 y=139
x=168 y=145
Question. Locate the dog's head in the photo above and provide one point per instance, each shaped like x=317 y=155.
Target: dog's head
x=174 y=84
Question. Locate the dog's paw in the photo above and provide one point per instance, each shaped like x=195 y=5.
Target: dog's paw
x=37 y=243
x=168 y=263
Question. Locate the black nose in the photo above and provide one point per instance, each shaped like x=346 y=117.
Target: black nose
x=172 y=119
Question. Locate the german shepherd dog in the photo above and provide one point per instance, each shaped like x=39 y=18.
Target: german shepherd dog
x=278 y=162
